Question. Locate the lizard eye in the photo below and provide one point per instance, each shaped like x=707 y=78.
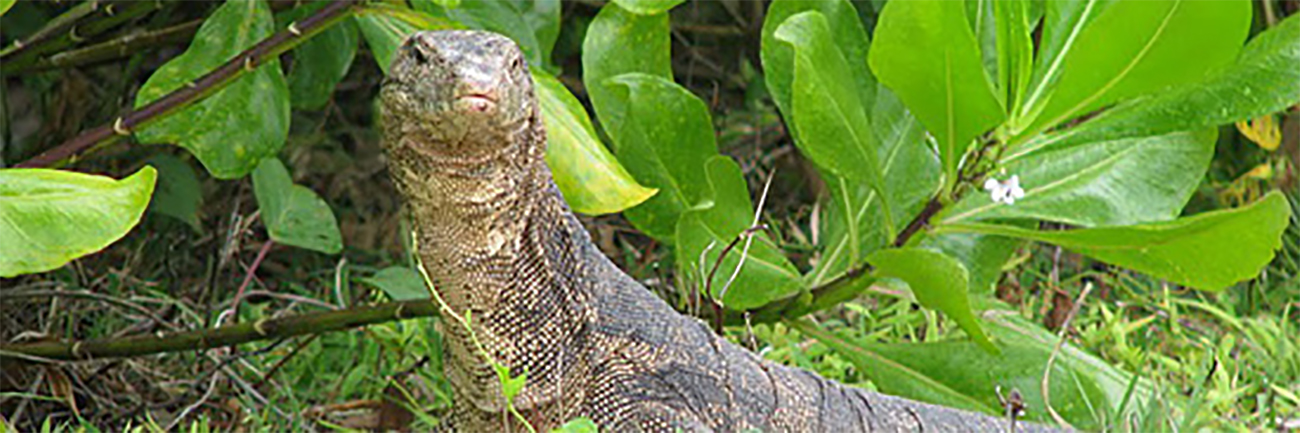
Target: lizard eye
x=517 y=63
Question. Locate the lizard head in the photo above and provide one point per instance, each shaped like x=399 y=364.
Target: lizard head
x=459 y=92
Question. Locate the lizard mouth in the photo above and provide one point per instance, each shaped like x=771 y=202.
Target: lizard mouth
x=476 y=103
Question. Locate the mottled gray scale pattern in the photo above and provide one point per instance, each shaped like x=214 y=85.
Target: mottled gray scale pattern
x=465 y=144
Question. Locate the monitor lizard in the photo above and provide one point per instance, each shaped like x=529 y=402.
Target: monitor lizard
x=464 y=140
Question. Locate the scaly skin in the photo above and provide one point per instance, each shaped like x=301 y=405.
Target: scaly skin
x=465 y=141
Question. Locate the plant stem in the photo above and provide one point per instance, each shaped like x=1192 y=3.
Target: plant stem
x=230 y=335
x=121 y=47
x=22 y=54
x=266 y=50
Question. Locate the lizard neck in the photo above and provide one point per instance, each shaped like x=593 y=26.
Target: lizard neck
x=501 y=246
x=470 y=212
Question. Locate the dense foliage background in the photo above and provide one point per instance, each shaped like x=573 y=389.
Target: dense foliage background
x=1156 y=256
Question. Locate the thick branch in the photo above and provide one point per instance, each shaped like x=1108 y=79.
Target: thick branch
x=266 y=50
x=266 y=329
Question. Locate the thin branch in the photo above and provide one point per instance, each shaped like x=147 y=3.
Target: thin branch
x=922 y=219
x=1051 y=360
x=123 y=46
x=66 y=30
x=266 y=50
x=230 y=335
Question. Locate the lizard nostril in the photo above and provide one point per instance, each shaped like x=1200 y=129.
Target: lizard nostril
x=420 y=56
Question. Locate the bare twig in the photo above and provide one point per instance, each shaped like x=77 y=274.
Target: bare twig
x=248 y=277
x=1051 y=360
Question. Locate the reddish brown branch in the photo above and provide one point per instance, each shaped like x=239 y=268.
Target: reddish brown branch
x=266 y=50
x=932 y=207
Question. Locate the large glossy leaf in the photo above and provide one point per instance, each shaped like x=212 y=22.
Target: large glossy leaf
x=830 y=115
x=1063 y=22
x=1015 y=50
x=925 y=52
x=778 y=57
x=591 y=180
x=854 y=223
x=385 y=27
x=892 y=377
x=1208 y=251
x=1084 y=389
x=320 y=62
x=51 y=217
x=400 y=283
x=543 y=17
x=620 y=42
x=517 y=20
x=242 y=123
x=177 y=194
x=1264 y=79
x=293 y=214
x=1117 y=182
x=938 y=281
x=1136 y=48
x=664 y=142
x=648 y=7
x=983 y=255
x=703 y=233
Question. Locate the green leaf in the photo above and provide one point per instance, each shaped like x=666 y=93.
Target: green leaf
x=51 y=217
x=243 y=122
x=960 y=374
x=1063 y=22
x=507 y=18
x=1015 y=48
x=892 y=377
x=293 y=214
x=704 y=232
x=510 y=386
x=399 y=282
x=925 y=52
x=830 y=118
x=1263 y=80
x=854 y=224
x=1108 y=183
x=1208 y=251
x=5 y=5
x=648 y=7
x=938 y=281
x=543 y=16
x=664 y=143
x=320 y=62
x=386 y=27
x=177 y=193
x=606 y=53
x=1136 y=48
x=778 y=58
x=983 y=256
x=592 y=181
x=1086 y=372
x=578 y=425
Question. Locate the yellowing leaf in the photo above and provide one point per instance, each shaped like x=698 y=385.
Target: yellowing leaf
x=1264 y=131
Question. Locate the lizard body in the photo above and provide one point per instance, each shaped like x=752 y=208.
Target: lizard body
x=465 y=142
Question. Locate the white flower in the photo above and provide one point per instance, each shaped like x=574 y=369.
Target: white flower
x=1006 y=192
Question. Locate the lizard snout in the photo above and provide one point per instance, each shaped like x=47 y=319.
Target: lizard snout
x=476 y=103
